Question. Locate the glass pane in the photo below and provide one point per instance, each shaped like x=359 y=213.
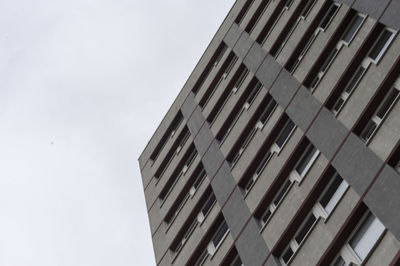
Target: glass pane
x=305 y=229
x=220 y=234
x=325 y=21
x=237 y=261
x=368 y=130
x=352 y=30
x=266 y=216
x=334 y=194
x=329 y=60
x=379 y=46
x=354 y=81
x=367 y=235
x=307 y=8
x=308 y=155
x=285 y=134
x=208 y=205
x=338 y=105
x=282 y=192
x=263 y=163
x=287 y=255
x=253 y=93
x=339 y=262
x=268 y=111
x=387 y=103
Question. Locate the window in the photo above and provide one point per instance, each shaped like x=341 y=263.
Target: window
x=221 y=53
x=269 y=108
x=354 y=81
x=352 y=30
x=253 y=95
x=202 y=258
x=230 y=66
x=236 y=261
x=381 y=45
x=285 y=135
x=196 y=184
x=295 y=243
x=218 y=238
x=170 y=132
x=328 y=61
x=265 y=217
x=380 y=114
x=206 y=208
x=240 y=79
x=305 y=163
x=257 y=15
x=244 y=145
x=323 y=25
x=329 y=16
x=362 y=242
x=189 y=161
x=257 y=173
x=307 y=8
x=333 y=194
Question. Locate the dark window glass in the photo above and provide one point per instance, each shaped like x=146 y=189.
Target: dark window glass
x=328 y=17
x=354 y=81
x=352 y=30
x=307 y=8
x=208 y=204
x=266 y=216
x=331 y=190
x=285 y=134
x=282 y=192
x=377 y=50
x=220 y=234
x=368 y=130
x=287 y=255
x=305 y=229
x=306 y=159
x=268 y=111
x=387 y=103
x=338 y=105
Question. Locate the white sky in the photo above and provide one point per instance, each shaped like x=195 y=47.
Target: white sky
x=83 y=86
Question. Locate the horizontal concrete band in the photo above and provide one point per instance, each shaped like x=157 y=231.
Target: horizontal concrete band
x=326 y=133
x=249 y=243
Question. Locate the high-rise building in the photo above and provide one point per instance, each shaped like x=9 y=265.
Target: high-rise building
x=283 y=146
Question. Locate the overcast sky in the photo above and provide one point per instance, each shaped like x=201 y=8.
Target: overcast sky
x=83 y=86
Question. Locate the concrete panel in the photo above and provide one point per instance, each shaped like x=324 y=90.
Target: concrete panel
x=212 y=159
x=236 y=212
x=327 y=133
x=357 y=164
x=223 y=184
x=233 y=35
x=188 y=106
x=272 y=261
x=374 y=8
x=196 y=121
x=384 y=201
x=243 y=45
x=255 y=57
x=203 y=139
x=251 y=247
x=284 y=88
x=391 y=16
x=303 y=109
x=268 y=71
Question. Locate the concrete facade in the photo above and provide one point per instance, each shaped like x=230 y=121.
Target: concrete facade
x=253 y=148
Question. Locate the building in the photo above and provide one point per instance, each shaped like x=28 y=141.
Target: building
x=283 y=146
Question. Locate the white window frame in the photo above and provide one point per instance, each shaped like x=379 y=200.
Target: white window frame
x=385 y=47
x=211 y=248
x=275 y=146
x=348 y=254
x=335 y=198
x=363 y=17
x=257 y=173
x=298 y=177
